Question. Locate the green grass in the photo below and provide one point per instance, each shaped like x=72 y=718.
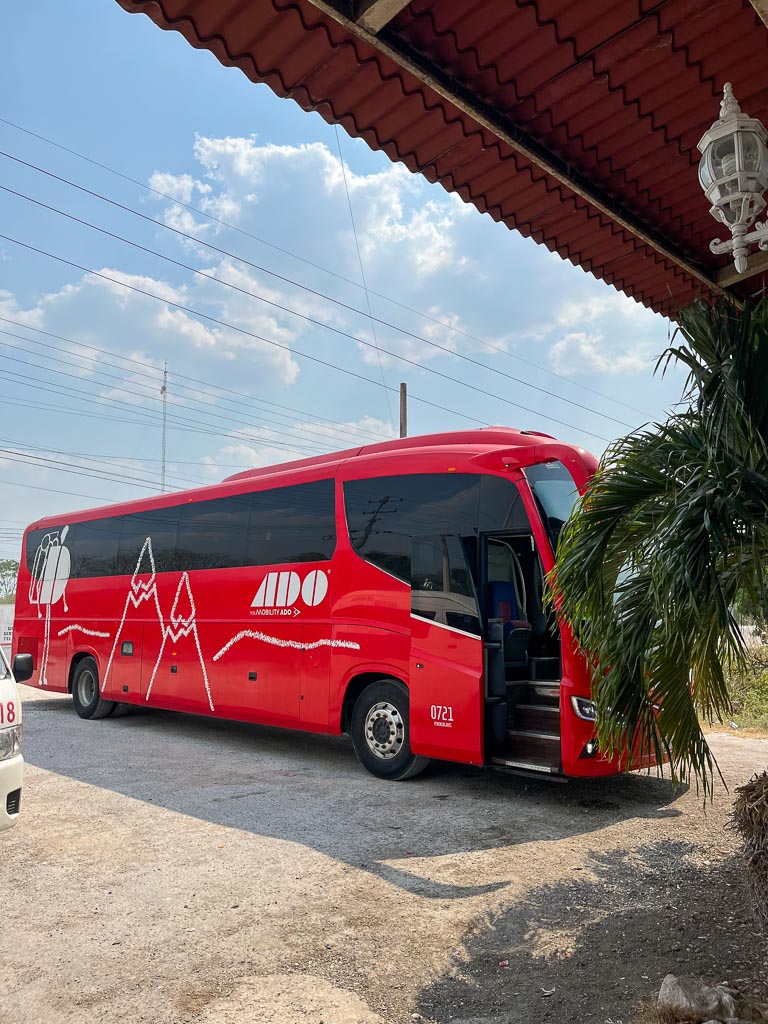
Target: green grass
x=749 y=690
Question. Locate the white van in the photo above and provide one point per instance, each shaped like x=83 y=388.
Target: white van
x=11 y=761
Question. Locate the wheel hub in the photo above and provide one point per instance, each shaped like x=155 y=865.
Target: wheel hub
x=86 y=688
x=384 y=730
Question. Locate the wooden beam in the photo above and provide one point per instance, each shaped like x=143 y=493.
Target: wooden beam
x=761 y=6
x=728 y=276
x=373 y=15
x=487 y=117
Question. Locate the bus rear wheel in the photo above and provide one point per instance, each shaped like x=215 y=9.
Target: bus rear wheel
x=380 y=731
x=85 y=691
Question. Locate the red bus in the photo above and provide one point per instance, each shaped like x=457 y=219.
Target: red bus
x=394 y=592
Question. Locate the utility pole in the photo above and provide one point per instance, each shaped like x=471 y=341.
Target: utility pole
x=403 y=410
x=164 y=393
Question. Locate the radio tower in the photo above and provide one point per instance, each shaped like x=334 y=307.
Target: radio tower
x=164 y=393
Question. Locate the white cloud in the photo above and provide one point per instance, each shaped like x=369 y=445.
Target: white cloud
x=181 y=219
x=10 y=308
x=589 y=310
x=81 y=310
x=583 y=352
x=439 y=340
x=271 y=446
x=601 y=333
x=153 y=285
x=176 y=321
x=244 y=158
x=178 y=186
x=391 y=222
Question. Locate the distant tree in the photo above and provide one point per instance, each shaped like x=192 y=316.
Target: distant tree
x=9 y=569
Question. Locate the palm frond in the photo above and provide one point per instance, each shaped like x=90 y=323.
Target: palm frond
x=672 y=527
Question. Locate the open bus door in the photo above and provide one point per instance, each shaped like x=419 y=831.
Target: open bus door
x=523 y=665
x=446 y=660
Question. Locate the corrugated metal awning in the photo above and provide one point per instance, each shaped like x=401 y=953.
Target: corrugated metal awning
x=575 y=123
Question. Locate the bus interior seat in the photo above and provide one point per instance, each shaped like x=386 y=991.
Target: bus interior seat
x=502 y=604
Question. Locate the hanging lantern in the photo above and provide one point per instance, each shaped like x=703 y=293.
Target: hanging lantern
x=733 y=171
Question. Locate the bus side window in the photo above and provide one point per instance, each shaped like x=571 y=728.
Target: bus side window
x=94 y=548
x=213 y=534
x=161 y=526
x=441 y=583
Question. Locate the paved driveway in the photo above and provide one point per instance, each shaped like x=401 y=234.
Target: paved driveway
x=176 y=869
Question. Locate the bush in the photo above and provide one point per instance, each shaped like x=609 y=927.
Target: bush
x=749 y=691
x=750 y=819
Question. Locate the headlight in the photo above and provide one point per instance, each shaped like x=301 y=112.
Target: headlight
x=584 y=708
x=10 y=742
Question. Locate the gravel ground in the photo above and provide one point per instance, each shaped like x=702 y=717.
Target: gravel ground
x=178 y=869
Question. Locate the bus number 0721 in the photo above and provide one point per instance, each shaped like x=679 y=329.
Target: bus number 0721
x=441 y=713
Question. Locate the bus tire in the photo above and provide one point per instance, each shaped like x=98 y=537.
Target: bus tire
x=380 y=729
x=85 y=691
x=121 y=709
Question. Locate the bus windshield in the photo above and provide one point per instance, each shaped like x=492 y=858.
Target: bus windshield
x=555 y=494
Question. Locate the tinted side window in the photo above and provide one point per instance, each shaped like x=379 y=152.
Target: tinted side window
x=501 y=507
x=93 y=547
x=161 y=525
x=37 y=543
x=286 y=524
x=384 y=513
x=556 y=495
x=441 y=583
x=213 y=534
x=292 y=524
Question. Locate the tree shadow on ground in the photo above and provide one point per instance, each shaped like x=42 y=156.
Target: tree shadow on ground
x=310 y=789
x=590 y=949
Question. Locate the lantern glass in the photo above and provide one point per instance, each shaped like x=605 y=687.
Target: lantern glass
x=751 y=152
x=705 y=171
x=724 y=157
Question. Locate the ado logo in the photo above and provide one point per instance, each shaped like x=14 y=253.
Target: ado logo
x=282 y=589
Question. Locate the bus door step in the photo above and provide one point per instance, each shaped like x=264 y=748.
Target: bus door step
x=541 y=718
x=528 y=765
x=547 y=693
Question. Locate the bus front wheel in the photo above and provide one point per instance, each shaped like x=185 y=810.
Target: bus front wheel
x=85 y=691
x=380 y=731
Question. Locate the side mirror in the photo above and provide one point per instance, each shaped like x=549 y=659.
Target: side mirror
x=23 y=667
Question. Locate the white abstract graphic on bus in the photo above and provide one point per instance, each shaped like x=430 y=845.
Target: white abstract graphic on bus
x=278 y=590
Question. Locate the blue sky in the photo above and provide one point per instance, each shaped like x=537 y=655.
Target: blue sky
x=113 y=87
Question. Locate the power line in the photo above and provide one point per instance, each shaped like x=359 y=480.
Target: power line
x=287 y=252
x=73 y=469
x=269 y=341
x=147 y=396
x=362 y=276
x=151 y=397
x=319 y=323
x=207 y=391
x=50 y=490
x=258 y=337
x=101 y=417
x=189 y=425
x=80 y=413
x=23 y=446
x=104 y=456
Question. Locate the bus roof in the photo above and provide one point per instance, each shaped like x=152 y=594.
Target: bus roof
x=487 y=437
x=482 y=440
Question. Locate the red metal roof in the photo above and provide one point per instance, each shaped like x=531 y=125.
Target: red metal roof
x=614 y=94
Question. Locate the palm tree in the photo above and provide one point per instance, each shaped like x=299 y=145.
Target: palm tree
x=670 y=530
